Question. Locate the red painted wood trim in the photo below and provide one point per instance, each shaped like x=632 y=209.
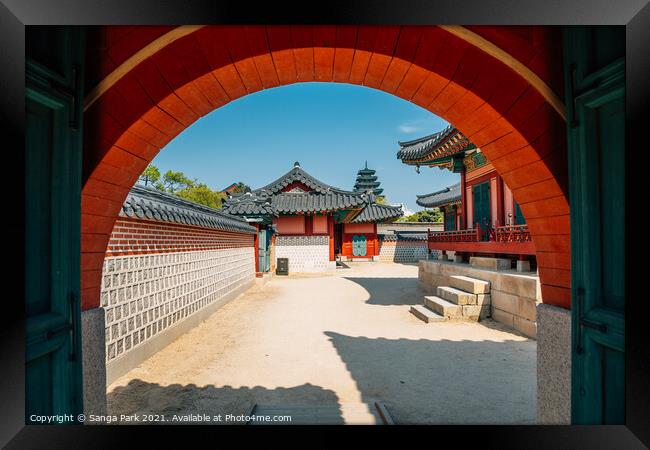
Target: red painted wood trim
x=486 y=177
x=257 y=248
x=511 y=248
x=500 y=202
x=463 y=200
x=330 y=229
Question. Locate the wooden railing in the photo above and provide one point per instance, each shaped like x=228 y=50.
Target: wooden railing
x=508 y=233
x=470 y=235
x=512 y=233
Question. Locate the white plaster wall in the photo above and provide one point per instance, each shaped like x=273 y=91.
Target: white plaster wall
x=305 y=253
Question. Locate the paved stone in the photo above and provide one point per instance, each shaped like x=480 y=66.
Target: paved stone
x=338 y=338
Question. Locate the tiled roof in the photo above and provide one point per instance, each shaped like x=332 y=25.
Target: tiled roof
x=297 y=174
x=404 y=236
x=151 y=204
x=378 y=213
x=292 y=203
x=450 y=194
x=438 y=145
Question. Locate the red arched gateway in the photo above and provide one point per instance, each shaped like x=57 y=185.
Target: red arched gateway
x=500 y=86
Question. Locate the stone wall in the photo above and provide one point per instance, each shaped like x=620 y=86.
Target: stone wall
x=305 y=253
x=151 y=297
x=515 y=296
x=394 y=249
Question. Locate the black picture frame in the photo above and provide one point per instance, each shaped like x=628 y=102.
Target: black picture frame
x=634 y=14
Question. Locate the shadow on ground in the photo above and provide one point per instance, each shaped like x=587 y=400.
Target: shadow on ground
x=143 y=398
x=391 y=291
x=444 y=382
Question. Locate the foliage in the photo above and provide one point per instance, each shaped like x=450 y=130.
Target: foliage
x=177 y=183
x=240 y=188
x=201 y=193
x=151 y=175
x=174 y=181
x=427 y=215
x=381 y=200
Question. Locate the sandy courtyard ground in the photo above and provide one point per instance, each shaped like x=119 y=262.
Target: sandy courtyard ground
x=335 y=340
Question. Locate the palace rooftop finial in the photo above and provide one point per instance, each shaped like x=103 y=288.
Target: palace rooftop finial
x=296 y=164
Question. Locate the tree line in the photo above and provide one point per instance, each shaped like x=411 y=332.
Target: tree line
x=177 y=183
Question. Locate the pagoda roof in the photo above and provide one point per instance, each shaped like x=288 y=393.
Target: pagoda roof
x=446 y=196
x=427 y=149
x=152 y=204
x=378 y=213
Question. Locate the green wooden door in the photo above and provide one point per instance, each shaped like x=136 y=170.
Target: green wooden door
x=595 y=87
x=264 y=250
x=519 y=217
x=481 y=205
x=450 y=219
x=53 y=159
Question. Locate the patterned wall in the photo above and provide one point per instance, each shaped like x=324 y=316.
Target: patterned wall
x=305 y=253
x=157 y=275
x=392 y=249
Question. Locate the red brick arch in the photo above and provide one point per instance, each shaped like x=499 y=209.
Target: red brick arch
x=158 y=95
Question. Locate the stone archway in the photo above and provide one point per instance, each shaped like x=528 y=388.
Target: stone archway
x=498 y=85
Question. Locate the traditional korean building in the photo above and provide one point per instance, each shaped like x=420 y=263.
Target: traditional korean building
x=481 y=216
x=366 y=179
x=311 y=222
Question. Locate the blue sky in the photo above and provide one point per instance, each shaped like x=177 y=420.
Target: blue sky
x=330 y=128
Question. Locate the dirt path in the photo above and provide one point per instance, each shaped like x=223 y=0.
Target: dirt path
x=334 y=340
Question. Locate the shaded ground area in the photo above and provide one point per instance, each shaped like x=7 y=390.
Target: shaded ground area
x=337 y=340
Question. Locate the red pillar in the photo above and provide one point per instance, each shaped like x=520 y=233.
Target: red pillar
x=257 y=248
x=330 y=231
x=463 y=202
x=500 y=201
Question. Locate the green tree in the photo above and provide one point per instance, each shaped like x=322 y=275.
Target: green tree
x=427 y=215
x=240 y=188
x=150 y=176
x=174 y=181
x=381 y=200
x=201 y=193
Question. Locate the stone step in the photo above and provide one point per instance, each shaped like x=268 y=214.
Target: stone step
x=490 y=263
x=471 y=285
x=456 y=296
x=443 y=307
x=425 y=314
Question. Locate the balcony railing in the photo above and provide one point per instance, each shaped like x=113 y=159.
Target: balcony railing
x=508 y=233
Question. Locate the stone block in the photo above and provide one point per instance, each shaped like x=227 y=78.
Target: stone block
x=458 y=258
x=490 y=263
x=503 y=317
x=93 y=351
x=523 y=266
x=519 y=285
x=483 y=299
x=504 y=302
x=527 y=308
x=443 y=307
x=456 y=296
x=468 y=284
x=553 y=365
x=476 y=312
x=526 y=327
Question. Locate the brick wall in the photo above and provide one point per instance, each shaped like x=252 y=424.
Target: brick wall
x=305 y=253
x=157 y=276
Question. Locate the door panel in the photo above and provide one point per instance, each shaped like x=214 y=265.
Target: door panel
x=594 y=72
x=52 y=220
x=481 y=202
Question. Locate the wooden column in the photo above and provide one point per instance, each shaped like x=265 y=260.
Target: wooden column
x=463 y=202
x=500 y=202
x=330 y=231
x=257 y=247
